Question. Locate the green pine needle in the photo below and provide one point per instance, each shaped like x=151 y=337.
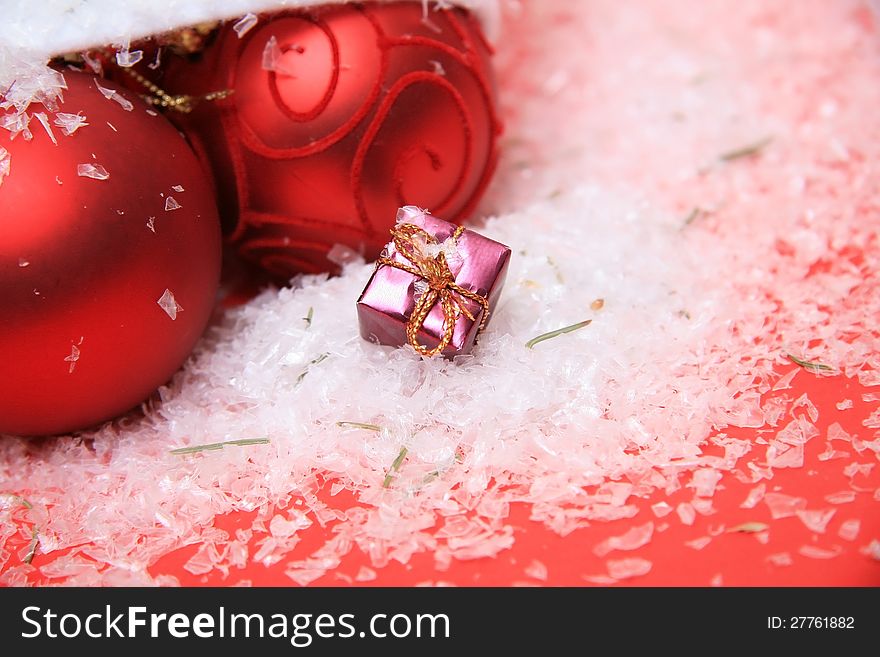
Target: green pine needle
x=359 y=425
x=809 y=365
x=210 y=447
x=395 y=466
x=399 y=460
x=317 y=360
x=693 y=215
x=745 y=151
x=552 y=334
x=553 y=264
x=749 y=528
x=431 y=476
x=32 y=548
x=18 y=499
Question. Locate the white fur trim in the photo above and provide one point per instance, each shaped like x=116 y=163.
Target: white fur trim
x=52 y=27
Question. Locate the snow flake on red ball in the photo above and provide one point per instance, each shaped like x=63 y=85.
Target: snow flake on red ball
x=169 y=304
x=94 y=171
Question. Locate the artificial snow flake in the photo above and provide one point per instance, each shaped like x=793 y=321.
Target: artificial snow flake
x=784 y=506
x=855 y=469
x=28 y=80
x=365 y=574
x=813 y=552
x=849 y=529
x=686 y=513
x=343 y=255
x=408 y=213
x=841 y=497
x=273 y=58
x=439 y=5
x=169 y=304
x=862 y=445
x=5 y=158
x=243 y=25
x=626 y=568
x=872 y=550
x=537 y=570
x=784 y=383
x=17 y=124
x=633 y=539
x=44 y=120
x=177 y=188
x=704 y=481
x=815 y=521
x=784 y=455
x=89 y=170
x=780 y=559
x=831 y=453
x=151 y=224
x=755 y=495
x=699 y=543
x=171 y=204
x=873 y=421
x=22 y=262
x=127 y=58
x=73 y=358
x=157 y=62
x=115 y=96
x=203 y=560
x=837 y=432
x=69 y=123
x=283 y=527
x=93 y=63
x=805 y=403
x=703 y=506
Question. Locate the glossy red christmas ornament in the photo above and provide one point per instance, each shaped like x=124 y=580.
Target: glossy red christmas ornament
x=339 y=116
x=109 y=260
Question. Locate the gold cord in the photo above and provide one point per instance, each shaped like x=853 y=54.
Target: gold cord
x=441 y=285
x=183 y=103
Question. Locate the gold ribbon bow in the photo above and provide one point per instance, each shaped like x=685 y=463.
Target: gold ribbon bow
x=441 y=285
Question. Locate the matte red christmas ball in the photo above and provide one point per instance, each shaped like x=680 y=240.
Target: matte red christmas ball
x=340 y=115
x=109 y=259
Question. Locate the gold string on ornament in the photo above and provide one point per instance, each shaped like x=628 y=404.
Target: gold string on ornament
x=441 y=285
x=183 y=103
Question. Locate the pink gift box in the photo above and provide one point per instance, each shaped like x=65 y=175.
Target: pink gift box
x=477 y=263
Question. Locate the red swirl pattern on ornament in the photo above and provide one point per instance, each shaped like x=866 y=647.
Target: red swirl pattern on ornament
x=400 y=169
x=374 y=110
x=331 y=88
x=252 y=139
